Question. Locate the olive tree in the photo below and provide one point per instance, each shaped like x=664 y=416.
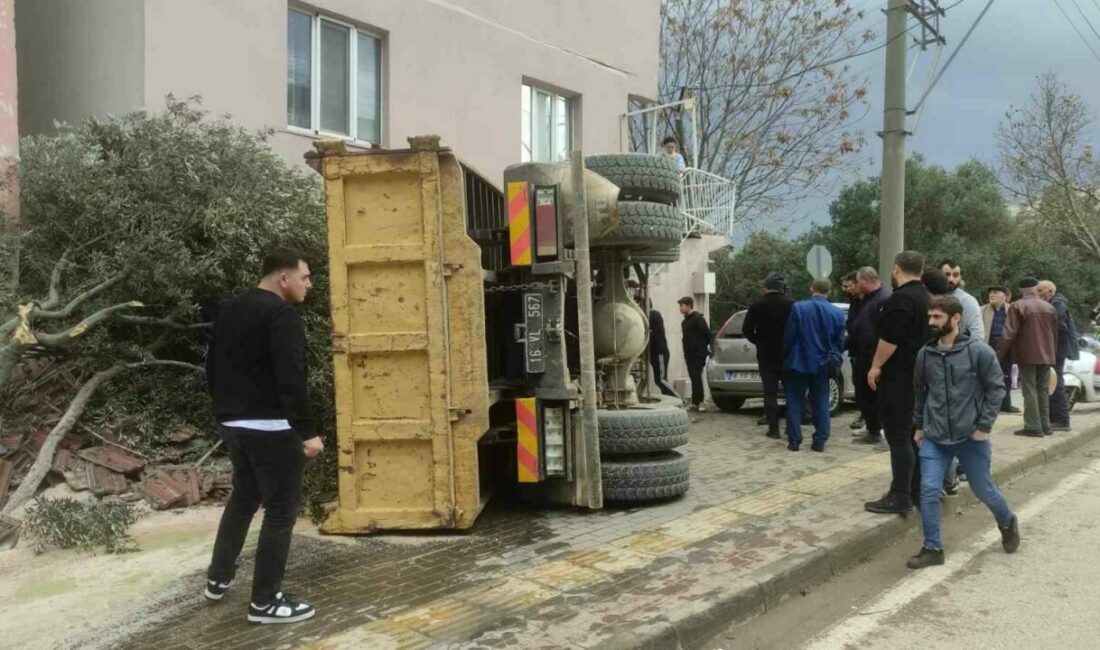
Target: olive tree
x=132 y=227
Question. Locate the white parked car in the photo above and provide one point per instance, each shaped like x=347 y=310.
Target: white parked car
x=1082 y=377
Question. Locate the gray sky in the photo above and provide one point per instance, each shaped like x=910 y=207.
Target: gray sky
x=1016 y=41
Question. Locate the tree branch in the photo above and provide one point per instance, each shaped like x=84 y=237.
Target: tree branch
x=79 y=300
x=69 y=419
x=162 y=322
x=70 y=335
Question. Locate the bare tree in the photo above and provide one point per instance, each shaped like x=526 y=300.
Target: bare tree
x=776 y=97
x=1048 y=163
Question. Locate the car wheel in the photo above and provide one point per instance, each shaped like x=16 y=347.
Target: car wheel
x=836 y=394
x=728 y=403
x=639 y=479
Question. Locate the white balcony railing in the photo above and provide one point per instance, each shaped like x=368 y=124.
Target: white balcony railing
x=707 y=202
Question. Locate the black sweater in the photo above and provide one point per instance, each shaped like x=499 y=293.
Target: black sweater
x=764 y=325
x=256 y=361
x=696 y=336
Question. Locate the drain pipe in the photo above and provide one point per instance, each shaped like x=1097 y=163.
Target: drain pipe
x=590 y=487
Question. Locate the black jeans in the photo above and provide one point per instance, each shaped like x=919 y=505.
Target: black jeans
x=695 y=372
x=770 y=377
x=866 y=399
x=1059 y=401
x=658 y=361
x=267 y=470
x=895 y=408
x=1006 y=370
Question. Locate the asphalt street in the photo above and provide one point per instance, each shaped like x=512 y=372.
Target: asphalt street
x=1044 y=596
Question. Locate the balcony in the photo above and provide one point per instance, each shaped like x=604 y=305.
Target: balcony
x=707 y=202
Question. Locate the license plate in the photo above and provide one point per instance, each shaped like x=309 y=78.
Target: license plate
x=742 y=375
x=532 y=318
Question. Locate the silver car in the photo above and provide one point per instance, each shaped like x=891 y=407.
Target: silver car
x=733 y=374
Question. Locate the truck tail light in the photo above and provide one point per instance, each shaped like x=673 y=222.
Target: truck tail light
x=553 y=434
x=546 y=223
x=1096 y=366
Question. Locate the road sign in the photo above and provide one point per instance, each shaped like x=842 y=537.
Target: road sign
x=819 y=262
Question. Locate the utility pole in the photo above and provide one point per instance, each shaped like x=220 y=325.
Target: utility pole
x=891 y=238
x=892 y=203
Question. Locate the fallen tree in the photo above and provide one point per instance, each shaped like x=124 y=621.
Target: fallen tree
x=132 y=228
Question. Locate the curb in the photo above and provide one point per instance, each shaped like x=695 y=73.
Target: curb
x=768 y=586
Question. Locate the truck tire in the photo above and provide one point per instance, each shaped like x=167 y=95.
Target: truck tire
x=644 y=226
x=651 y=257
x=639 y=176
x=643 y=430
x=639 y=479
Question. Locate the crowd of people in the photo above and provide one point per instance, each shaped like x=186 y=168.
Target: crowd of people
x=932 y=370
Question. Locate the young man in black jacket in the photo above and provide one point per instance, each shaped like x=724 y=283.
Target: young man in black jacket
x=862 y=341
x=696 y=340
x=256 y=367
x=764 y=325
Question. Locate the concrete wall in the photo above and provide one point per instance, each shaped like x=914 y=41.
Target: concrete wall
x=78 y=59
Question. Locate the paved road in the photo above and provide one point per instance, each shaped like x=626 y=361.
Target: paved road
x=1045 y=596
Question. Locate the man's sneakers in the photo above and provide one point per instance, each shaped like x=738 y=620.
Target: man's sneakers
x=1012 y=410
x=773 y=433
x=818 y=447
x=1010 y=535
x=698 y=408
x=284 y=609
x=889 y=504
x=216 y=590
x=792 y=447
x=857 y=426
x=926 y=558
x=1060 y=426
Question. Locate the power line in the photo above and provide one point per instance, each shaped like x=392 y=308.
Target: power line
x=951 y=58
x=1079 y=33
x=1087 y=21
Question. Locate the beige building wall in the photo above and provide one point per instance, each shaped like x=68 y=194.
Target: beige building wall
x=78 y=58
x=452 y=68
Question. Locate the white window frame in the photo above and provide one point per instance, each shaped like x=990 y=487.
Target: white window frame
x=316 y=19
x=555 y=94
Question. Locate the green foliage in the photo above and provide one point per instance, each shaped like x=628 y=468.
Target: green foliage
x=81 y=525
x=957 y=214
x=186 y=207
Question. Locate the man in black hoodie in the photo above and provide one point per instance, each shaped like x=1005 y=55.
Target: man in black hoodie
x=764 y=325
x=696 y=340
x=256 y=367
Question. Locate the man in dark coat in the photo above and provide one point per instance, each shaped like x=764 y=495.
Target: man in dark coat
x=862 y=341
x=696 y=341
x=763 y=327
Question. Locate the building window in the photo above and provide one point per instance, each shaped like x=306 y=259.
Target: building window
x=333 y=78
x=547 y=130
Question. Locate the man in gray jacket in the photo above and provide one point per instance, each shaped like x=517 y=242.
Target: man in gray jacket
x=972 y=324
x=959 y=387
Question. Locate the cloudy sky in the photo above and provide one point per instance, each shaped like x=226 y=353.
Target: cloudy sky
x=1016 y=41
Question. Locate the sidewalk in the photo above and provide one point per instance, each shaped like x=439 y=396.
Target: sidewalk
x=759 y=524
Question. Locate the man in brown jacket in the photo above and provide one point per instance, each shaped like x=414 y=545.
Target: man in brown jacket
x=1031 y=331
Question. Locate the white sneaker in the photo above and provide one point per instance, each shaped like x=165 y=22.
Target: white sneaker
x=701 y=409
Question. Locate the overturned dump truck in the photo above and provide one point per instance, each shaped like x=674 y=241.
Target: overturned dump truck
x=479 y=347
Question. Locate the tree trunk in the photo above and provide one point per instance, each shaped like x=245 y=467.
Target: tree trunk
x=42 y=464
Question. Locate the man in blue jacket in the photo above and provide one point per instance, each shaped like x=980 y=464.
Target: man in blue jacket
x=958 y=389
x=813 y=343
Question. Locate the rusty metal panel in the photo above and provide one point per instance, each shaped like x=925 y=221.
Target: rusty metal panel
x=397 y=251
